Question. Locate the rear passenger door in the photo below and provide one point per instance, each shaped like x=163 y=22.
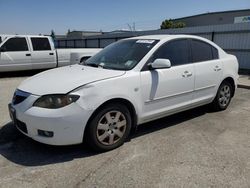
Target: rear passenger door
x=168 y=90
x=15 y=55
x=208 y=70
x=43 y=53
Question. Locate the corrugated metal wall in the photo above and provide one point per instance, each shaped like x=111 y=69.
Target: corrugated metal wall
x=233 y=38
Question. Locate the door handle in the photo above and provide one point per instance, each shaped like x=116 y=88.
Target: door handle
x=187 y=74
x=217 y=68
x=28 y=54
x=51 y=53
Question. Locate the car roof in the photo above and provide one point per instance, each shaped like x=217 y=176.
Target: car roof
x=166 y=37
x=4 y=35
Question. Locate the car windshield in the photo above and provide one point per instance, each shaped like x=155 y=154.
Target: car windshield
x=122 y=55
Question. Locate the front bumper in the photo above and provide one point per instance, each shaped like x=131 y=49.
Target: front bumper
x=67 y=123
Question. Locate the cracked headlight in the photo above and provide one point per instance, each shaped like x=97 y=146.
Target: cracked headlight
x=55 y=101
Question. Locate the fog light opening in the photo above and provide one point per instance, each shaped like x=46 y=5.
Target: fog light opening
x=45 y=133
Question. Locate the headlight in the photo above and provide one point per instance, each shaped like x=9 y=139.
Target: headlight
x=55 y=101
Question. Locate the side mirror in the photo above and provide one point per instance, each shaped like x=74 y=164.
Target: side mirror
x=160 y=64
x=2 y=50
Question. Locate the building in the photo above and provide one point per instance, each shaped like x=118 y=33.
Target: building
x=229 y=29
x=216 y=18
x=82 y=34
x=60 y=37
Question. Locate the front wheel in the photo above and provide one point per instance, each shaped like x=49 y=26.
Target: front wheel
x=109 y=127
x=223 y=97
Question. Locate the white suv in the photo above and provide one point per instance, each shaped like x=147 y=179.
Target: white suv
x=130 y=82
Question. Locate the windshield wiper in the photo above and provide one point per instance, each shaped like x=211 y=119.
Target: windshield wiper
x=92 y=65
x=95 y=65
x=102 y=66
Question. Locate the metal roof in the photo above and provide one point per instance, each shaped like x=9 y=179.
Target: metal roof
x=212 y=13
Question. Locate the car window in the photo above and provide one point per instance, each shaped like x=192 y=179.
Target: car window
x=122 y=55
x=215 y=53
x=176 y=51
x=15 y=44
x=202 y=51
x=40 y=44
x=0 y=40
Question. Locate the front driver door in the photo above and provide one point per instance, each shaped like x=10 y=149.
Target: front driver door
x=166 y=91
x=15 y=55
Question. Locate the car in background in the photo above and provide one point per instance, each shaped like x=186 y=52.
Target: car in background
x=130 y=82
x=27 y=52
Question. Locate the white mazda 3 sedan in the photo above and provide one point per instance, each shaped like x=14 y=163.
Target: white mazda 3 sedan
x=130 y=82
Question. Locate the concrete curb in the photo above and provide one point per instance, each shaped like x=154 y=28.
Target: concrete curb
x=243 y=86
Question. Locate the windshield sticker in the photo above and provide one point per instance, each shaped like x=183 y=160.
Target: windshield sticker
x=145 y=41
x=129 y=63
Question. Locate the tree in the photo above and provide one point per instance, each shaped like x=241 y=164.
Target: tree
x=180 y=25
x=68 y=31
x=53 y=36
x=168 y=24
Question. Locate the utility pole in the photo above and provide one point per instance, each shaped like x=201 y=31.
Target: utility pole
x=131 y=27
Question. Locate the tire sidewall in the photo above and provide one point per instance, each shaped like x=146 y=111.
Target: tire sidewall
x=218 y=95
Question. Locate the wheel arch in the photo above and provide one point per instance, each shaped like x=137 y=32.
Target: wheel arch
x=123 y=101
x=231 y=81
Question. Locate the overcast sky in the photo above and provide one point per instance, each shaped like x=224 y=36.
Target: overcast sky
x=41 y=16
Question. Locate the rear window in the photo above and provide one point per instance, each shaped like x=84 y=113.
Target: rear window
x=215 y=53
x=202 y=51
x=40 y=44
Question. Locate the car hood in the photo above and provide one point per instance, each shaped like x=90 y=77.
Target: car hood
x=65 y=79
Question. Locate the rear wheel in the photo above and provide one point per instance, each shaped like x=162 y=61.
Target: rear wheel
x=223 y=97
x=109 y=127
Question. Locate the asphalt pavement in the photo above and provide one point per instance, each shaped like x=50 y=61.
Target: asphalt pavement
x=196 y=148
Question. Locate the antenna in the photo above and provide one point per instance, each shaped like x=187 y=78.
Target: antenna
x=131 y=27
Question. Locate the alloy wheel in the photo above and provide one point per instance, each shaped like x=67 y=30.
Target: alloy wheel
x=111 y=127
x=224 y=95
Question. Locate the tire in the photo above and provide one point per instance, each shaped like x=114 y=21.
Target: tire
x=223 y=97
x=109 y=127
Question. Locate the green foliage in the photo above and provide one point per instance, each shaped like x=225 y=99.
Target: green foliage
x=169 y=24
x=180 y=24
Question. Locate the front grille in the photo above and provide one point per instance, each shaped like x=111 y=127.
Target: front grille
x=19 y=96
x=22 y=126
